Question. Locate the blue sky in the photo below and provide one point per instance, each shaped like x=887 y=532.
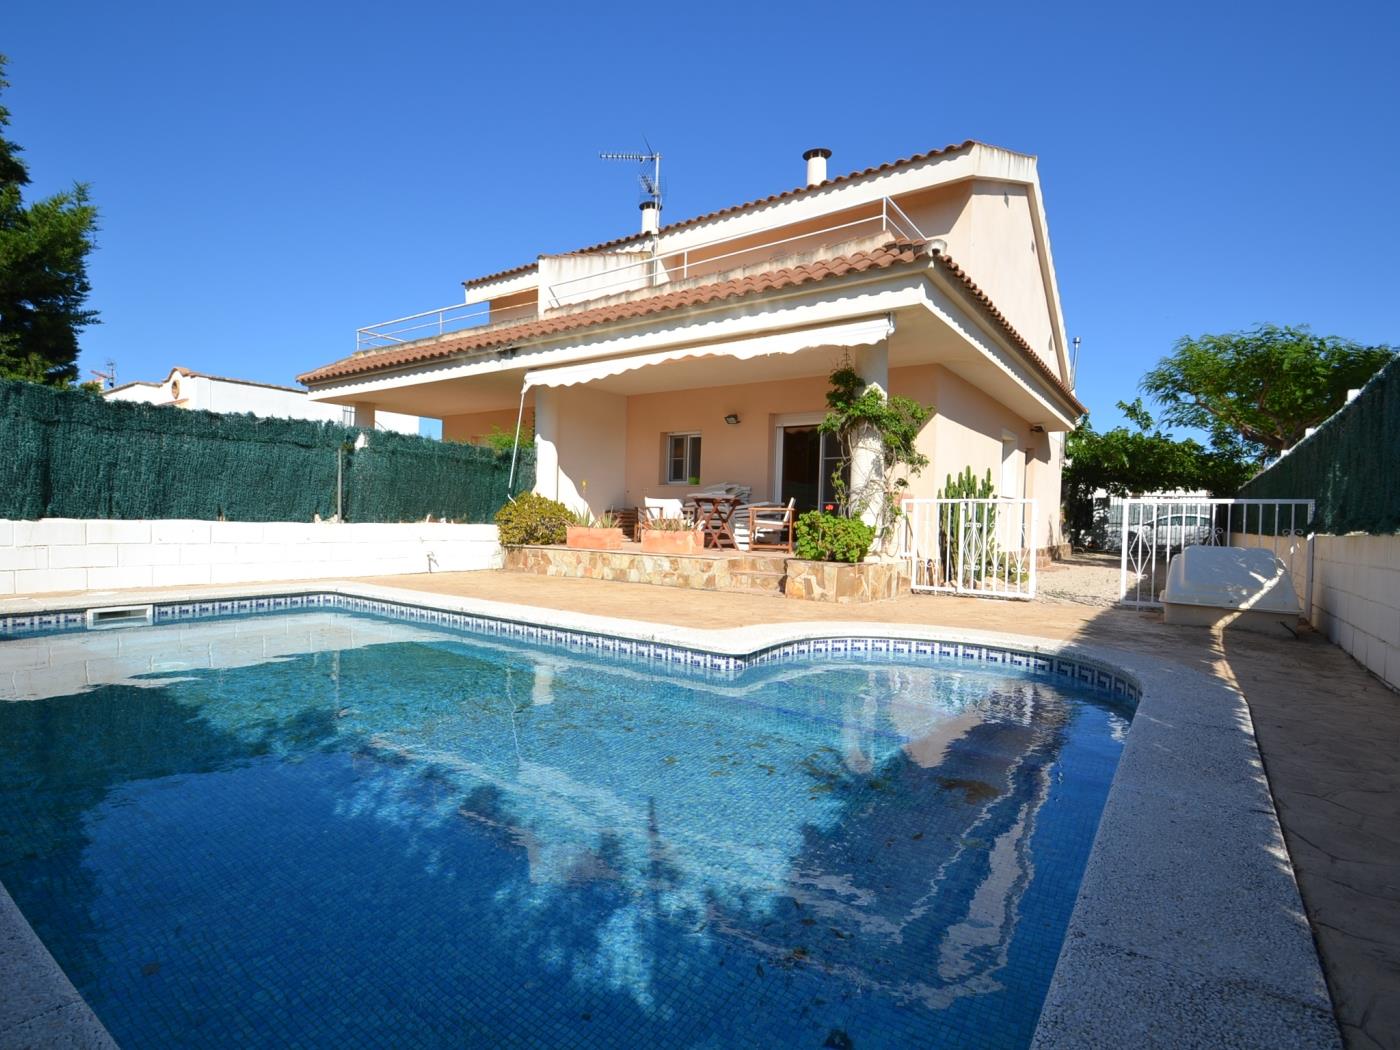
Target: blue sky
x=270 y=177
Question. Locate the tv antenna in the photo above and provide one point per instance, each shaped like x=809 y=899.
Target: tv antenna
x=107 y=378
x=651 y=183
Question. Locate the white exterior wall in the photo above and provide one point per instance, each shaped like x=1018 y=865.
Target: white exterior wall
x=66 y=554
x=220 y=395
x=1356 y=595
x=581 y=436
x=1356 y=599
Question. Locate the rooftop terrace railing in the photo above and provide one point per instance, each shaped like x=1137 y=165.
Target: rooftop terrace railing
x=711 y=257
x=444 y=319
x=660 y=268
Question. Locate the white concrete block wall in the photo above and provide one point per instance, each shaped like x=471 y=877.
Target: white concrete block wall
x=1356 y=596
x=1356 y=599
x=60 y=554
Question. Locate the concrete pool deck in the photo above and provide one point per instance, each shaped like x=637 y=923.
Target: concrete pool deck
x=1317 y=717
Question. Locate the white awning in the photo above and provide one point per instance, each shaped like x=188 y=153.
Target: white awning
x=850 y=333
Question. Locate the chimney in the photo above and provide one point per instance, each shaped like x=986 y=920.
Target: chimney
x=816 y=165
x=651 y=216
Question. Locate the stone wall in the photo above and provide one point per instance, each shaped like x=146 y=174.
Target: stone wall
x=702 y=572
x=828 y=581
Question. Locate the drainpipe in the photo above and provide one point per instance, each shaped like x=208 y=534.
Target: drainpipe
x=515 y=448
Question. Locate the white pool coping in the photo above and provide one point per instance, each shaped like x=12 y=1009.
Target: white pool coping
x=1188 y=931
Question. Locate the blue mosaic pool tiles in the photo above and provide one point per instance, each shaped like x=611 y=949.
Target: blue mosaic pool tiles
x=673 y=657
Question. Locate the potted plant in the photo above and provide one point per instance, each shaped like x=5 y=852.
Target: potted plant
x=671 y=536
x=589 y=533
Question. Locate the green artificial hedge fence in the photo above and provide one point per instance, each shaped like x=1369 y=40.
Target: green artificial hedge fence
x=1350 y=465
x=67 y=454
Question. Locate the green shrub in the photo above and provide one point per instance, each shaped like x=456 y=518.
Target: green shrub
x=829 y=537
x=531 y=518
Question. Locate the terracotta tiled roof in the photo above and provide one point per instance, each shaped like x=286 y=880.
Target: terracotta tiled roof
x=990 y=309
x=856 y=262
x=796 y=191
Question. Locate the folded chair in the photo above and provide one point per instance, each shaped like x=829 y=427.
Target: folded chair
x=771 y=527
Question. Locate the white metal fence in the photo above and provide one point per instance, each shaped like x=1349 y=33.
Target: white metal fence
x=1154 y=530
x=983 y=547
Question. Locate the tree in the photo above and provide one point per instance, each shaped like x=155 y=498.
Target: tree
x=1126 y=462
x=43 y=272
x=856 y=412
x=1257 y=392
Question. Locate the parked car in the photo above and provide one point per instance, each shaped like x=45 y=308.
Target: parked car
x=1171 y=532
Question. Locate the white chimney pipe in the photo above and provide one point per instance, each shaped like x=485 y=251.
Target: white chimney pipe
x=651 y=217
x=816 y=165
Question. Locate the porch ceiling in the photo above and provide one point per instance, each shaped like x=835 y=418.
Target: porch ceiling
x=439 y=398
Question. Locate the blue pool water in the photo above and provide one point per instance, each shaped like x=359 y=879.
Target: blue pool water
x=334 y=830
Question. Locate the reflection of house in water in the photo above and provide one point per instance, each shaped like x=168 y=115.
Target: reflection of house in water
x=952 y=896
x=878 y=817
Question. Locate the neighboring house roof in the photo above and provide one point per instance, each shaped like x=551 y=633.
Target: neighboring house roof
x=857 y=262
x=230 y=379
x=795 y=192
x=206 y=375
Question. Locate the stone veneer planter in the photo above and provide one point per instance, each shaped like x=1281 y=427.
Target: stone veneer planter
x=664 y=541
x=587 y=537
x=842 y=582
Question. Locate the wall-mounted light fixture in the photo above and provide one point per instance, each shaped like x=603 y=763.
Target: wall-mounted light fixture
x=732 y=418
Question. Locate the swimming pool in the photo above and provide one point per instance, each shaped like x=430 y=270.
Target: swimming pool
x=337 y=829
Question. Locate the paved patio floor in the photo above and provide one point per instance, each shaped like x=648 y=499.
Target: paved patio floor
x=1328 y=731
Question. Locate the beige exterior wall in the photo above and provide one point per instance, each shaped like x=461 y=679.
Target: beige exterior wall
x=1004 y=259
x=966 y=430
x=741 y=453
x=971 y=429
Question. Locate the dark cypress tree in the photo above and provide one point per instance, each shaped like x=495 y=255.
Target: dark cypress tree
x=43 y=271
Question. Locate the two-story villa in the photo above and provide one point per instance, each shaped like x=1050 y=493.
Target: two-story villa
x=697 y=352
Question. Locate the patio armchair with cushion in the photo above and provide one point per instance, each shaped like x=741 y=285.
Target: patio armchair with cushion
x=771 y=526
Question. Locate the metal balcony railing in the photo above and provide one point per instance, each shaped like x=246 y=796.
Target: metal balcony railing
x=661 y=267
x=441 y=321
x=711 y=257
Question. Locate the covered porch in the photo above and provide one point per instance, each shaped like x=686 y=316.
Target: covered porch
x=669 y=409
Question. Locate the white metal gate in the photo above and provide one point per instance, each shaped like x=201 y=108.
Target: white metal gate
x=1155 y=530
x=971 y=546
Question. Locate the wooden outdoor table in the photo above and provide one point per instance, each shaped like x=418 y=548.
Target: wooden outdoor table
x=712 y=514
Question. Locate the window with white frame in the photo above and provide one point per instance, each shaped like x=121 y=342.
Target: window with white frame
x=682 y=459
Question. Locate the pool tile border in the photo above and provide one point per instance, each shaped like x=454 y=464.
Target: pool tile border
x=1081 y=671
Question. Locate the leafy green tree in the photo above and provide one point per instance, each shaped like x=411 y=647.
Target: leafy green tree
x=1257 y=392
x=43 y=272
x=855 y=411
x=1126 y=462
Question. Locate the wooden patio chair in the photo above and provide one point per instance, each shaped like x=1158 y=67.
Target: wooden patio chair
x=651 y=509
x=771 y=527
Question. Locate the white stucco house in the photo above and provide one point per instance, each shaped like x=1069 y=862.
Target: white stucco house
x=186 y=388
x=696 y=352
